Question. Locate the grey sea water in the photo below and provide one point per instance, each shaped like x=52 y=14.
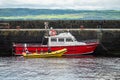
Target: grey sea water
x=65 y=68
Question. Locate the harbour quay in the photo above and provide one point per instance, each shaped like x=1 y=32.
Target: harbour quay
x=108 y=36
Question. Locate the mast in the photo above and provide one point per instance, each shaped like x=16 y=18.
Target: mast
x=47 y=34
x=46 y=28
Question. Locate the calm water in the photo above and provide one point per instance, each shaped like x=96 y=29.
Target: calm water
x=79 y=68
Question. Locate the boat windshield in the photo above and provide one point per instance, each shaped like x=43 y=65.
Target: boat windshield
x=53 y=40
x=61 y=39
x=69 y=40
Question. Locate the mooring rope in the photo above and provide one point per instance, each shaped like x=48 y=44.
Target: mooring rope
x=99 y=36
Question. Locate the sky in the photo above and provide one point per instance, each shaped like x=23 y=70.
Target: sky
x=62 y=4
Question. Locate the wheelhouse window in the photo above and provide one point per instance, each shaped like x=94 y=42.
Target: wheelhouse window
x=53 y=40
x=69 y=40
x=61 y=39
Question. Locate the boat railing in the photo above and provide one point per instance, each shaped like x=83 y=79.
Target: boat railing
x=29 y=44
x=89 y=41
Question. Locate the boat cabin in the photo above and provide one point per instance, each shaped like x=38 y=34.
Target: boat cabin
x=63 y=39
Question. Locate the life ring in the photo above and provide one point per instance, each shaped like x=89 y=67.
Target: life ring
x=52 y=33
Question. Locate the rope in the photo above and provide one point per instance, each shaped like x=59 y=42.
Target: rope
x=99 y=35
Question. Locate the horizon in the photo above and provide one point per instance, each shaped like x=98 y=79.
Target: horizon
x=64 y=9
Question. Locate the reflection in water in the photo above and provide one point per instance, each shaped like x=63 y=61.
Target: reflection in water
x=66 y=68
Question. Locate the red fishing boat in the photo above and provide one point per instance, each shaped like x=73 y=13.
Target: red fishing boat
x=57 y=42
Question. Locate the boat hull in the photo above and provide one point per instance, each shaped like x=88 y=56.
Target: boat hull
x=71 y=50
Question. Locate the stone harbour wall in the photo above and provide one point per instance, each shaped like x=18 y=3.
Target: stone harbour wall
x=109 y=38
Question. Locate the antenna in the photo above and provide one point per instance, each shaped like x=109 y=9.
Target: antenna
x=46 y=25
x=46 y=28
